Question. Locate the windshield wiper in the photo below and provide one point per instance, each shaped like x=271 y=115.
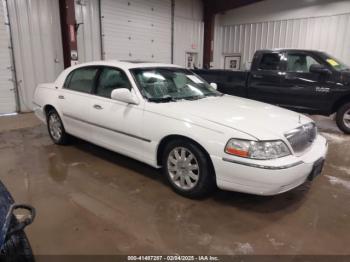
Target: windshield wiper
x=215 y=95
x=193 y=97
x=164 y=99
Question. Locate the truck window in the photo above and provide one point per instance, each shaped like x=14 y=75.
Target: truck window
x=300 y=63
x=270 y=62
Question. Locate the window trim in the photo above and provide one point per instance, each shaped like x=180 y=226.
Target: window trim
x=68 y=79
x=101 y=68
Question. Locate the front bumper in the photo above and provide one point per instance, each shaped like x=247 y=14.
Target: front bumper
x=270 y=177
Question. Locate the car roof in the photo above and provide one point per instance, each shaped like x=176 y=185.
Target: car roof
x=126 y=64
x=289 y=50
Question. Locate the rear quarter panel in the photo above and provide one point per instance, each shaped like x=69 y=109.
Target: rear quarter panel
x=45 y=94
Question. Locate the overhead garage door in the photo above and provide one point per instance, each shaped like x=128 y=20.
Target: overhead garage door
x=7 y=95
x=87 y=15
x=36 y=34
x=136 y=30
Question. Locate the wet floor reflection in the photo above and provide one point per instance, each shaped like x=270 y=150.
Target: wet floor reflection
x=93 y=201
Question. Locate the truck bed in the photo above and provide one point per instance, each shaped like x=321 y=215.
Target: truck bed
x=229 y=82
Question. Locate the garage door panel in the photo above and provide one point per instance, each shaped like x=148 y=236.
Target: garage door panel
x=36 y=34
x=7 y=95
x=137 y=30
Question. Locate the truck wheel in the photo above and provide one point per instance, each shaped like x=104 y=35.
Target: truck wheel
x=188 y=169
x=343 y=118
x=56 y=129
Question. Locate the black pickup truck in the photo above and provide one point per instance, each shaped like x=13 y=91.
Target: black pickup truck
x=307 y=81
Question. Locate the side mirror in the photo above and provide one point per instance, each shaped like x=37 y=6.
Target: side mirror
x=214 y=85
x=124 y=95
x=319 y=69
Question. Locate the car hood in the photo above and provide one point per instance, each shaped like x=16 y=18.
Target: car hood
x=260 y=120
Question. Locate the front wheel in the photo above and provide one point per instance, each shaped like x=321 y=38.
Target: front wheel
x=343 y=118
x=188 y=169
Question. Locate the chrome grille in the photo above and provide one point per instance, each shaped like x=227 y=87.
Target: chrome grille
x=302 y=137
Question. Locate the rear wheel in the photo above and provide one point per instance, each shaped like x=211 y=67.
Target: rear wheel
x=343 y=118
x=56 y=128
x=188 y=169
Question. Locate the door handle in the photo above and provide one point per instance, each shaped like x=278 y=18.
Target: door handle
x=60 y=97
x=287 y=77
x=98 y=107
x=257 y=76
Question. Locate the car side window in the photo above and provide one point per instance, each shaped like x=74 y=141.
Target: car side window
x=82 y=79
x=271 y=62
x=300 y=63
x=110 y=79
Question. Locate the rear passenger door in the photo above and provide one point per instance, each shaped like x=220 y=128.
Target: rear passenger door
x=76 y=100
x=265 y=78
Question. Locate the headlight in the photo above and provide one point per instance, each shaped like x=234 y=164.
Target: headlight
x=261 y=150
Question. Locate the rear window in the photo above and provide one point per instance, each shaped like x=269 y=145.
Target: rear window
x=82 y=80
x=270 y=62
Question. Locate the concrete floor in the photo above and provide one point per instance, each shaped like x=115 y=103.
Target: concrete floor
x=92 y=201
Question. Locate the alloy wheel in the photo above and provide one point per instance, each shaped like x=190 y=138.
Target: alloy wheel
x=346 y=118
x=183 y=168
x=55 y=127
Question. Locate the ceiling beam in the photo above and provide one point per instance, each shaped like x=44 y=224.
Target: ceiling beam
x=211 y=8
x=218 y=6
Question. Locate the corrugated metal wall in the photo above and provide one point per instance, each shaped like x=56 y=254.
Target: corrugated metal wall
x=87 y=14
x=36 y=34
x=7 y=95
x=136 y=30
x=328 y=33
x=188 y=30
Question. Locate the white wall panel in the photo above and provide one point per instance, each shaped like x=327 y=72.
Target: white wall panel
x=136 y=30
x=322 y=25
x=276 y=10
x=7 y=95
x=36 y=34
x=328 y=33
x=87 y=14
x=188 y=30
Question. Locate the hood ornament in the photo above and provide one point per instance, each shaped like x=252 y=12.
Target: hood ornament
x=299 y=119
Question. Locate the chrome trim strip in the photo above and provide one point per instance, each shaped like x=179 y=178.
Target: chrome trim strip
x=262 y=166
x=110 y=129
x=36 y=104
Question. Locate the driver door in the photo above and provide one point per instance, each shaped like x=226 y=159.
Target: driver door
x=302 y=86
x=117 y=125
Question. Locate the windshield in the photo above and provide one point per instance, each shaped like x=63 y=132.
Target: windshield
x=171 y=84
x=335 y=63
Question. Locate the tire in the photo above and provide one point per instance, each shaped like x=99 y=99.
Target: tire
x=181 y=172
x=56 y=129
x=17 y=248
x=343 y=118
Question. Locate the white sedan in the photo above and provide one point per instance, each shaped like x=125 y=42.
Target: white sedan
x=170 y=118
